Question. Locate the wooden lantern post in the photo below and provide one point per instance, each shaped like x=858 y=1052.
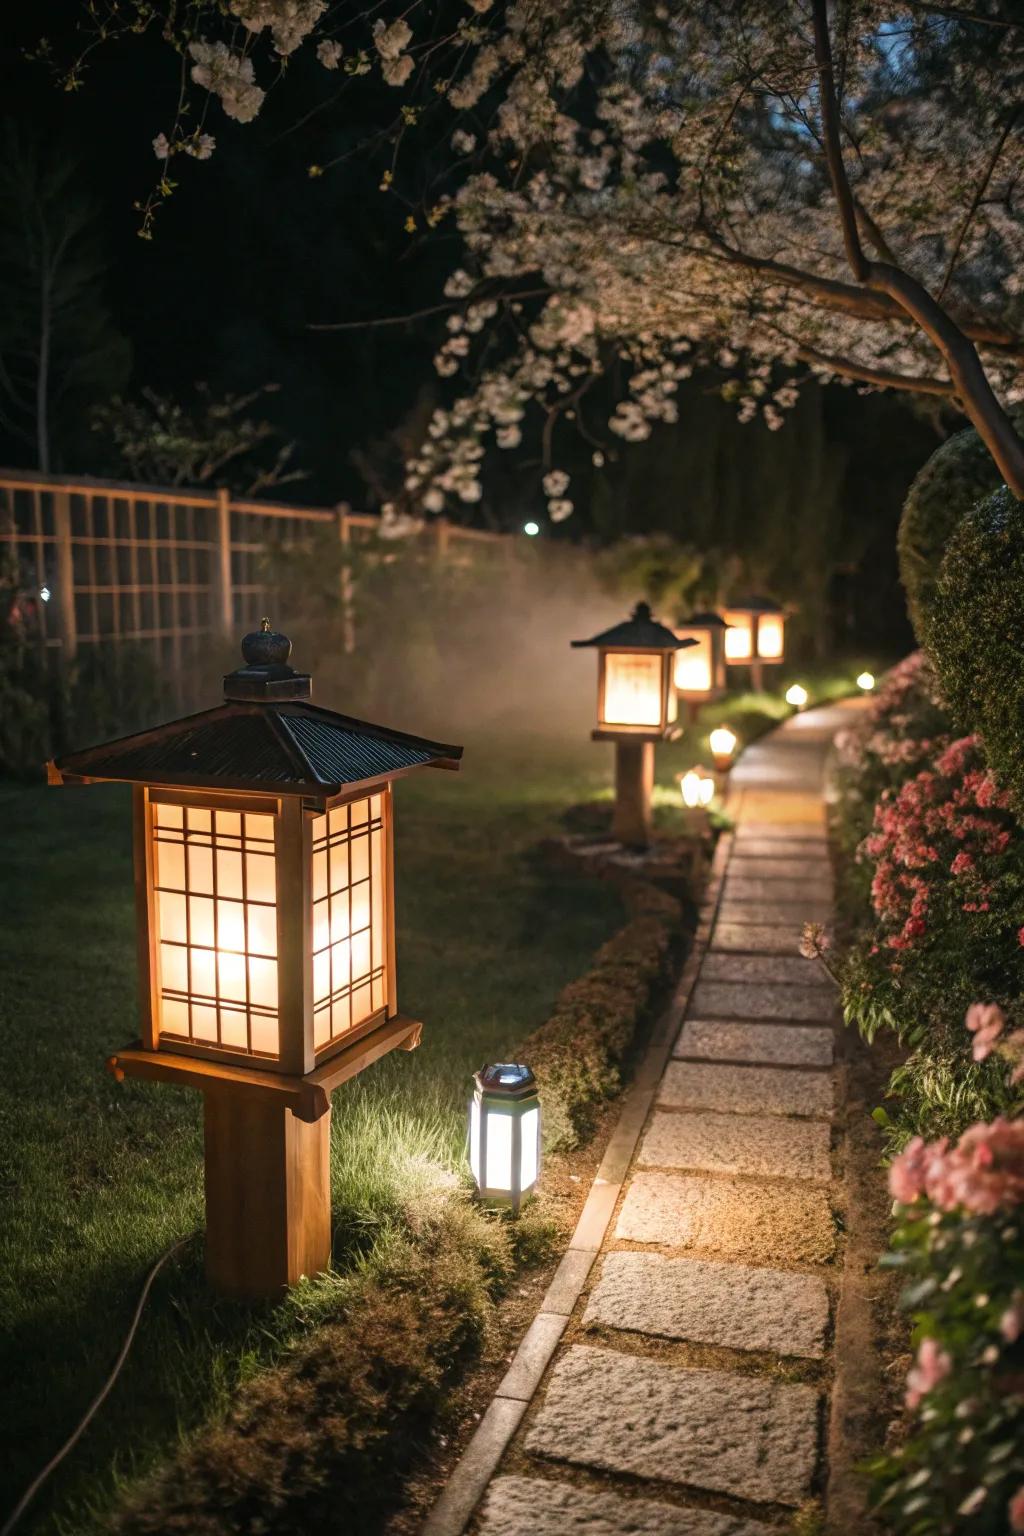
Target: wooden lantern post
x=699 y=670
x=756 y=635
x=264 y=885
x=636 y=707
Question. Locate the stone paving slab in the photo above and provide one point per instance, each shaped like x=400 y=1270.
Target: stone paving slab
x=761 y=1000
x=709 y=1302
x=751 y=1437
x=795 y=868
x=812 y=849
x=749 y=830
x=766 y=1148
x=732 y=938
x=778 y=970
x=781 y=1045
x=769 y=892
x=534 y=1506
x=791 y=914
x=746 y=1090
x=781 y=1223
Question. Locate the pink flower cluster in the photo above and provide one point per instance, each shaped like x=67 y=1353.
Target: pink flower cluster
x=1016 y=1511
x=931 y=1366
x=985 y=1022
x=982 y=1174
x=941 y=822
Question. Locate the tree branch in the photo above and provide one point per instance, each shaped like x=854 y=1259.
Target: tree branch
x=982 y=187
x=969 y=380
x=883 y=378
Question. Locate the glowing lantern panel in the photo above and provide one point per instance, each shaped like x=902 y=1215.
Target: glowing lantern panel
x=632 y=689
x=350 y=982
x=693 y=668
x=216 y=919
x=770 y=637
x=739 y=637
x=504 y=1132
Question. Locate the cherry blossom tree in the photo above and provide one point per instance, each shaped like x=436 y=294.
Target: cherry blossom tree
x=787 y=188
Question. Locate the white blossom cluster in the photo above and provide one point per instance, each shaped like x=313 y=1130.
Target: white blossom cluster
x=230 y=77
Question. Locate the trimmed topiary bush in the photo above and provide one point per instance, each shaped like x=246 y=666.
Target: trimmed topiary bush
x=954 y=479
x=976 y=633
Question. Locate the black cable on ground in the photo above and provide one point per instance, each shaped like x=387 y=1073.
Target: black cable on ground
x=101 y=1396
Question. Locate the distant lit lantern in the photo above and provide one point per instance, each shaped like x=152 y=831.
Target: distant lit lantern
x=697 y=788
x=636 y=707
x=723 y=743
x=264 y=881
x=797 y=695
x=504 y=1132
x=531 y=529
x=866 y=681
x=756 y=634
x=699 y=672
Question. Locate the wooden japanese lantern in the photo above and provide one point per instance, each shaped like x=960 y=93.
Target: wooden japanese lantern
x=264 y=885
x=699 y=671
x=636 y=707
x=756 y=634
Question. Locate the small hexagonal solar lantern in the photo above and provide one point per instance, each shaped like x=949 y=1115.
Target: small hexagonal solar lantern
x=504 y=1132
x=636 y=707
x=264 y=885
x=699 y=672
x=756 y=634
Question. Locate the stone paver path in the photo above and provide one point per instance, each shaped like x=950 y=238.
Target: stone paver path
x=687 y=1389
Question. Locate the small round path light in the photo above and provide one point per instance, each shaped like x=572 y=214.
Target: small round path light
x=797 y=696
x=756 y=635
x=866 y=681
x=699 y=672
x=504 y=1133
x=531 y=529
x=264 y=885
x=722 y=742
x=697 y=788
x=636 y=707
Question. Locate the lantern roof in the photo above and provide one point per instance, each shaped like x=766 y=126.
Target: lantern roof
x=640 y=632
x=265 y=737
x=755 y=604
x=707 y=620
x=506 y=1079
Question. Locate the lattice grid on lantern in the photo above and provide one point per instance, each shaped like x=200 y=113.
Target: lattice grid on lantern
x=632 y=690
x=216 y=921
x=349 y=975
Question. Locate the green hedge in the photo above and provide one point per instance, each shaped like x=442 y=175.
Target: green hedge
x=957 y=476
x=977 y=632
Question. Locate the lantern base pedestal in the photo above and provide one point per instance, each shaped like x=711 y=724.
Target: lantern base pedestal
x=268 y=1196
x=634 y=783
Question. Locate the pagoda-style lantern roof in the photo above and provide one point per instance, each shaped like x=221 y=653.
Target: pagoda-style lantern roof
x=754 y=603
x=640 y=632
x=265 y=736
x=703 y=620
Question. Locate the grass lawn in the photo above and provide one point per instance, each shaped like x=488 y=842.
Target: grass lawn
x=98 y=1178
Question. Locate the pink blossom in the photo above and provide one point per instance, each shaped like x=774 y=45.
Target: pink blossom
x=932 y=1366
x=985 y=1022
x=1011 y=1324
x=961 y=864
x=1016 y=1511
x=906 y=1174
x=814 y=941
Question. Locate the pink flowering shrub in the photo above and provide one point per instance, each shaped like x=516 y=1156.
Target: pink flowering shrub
x=960 y=1250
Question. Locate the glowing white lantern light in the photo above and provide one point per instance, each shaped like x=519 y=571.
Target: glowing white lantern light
x=697 y=789
x=45 y=594
x=722 y=742
x=504 y=1133
x=866 y=681
x=532 y=529
x=797 y=695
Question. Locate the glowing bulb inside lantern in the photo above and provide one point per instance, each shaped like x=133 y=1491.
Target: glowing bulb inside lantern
x=796 y=695
x=723 y=744
x=866 y=681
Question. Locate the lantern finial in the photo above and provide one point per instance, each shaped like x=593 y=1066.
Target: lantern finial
x=266 y=673
x=642 y=613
